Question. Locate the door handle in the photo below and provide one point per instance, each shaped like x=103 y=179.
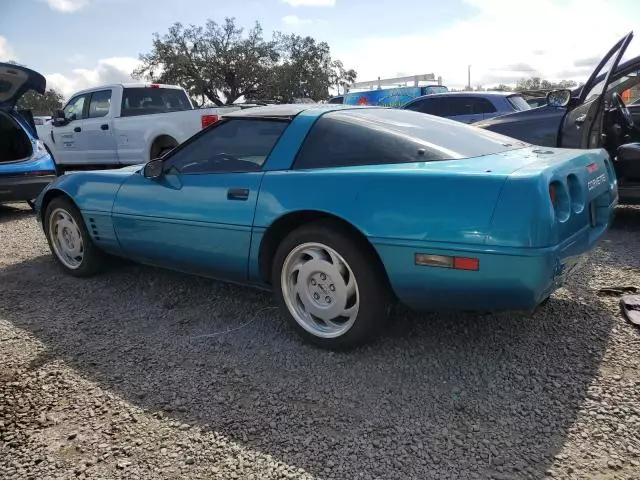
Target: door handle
x=77 y=129
x=238 y=194
x=581 y=119
x=104 y=127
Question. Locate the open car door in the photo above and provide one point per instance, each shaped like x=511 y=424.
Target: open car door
x=582 y=125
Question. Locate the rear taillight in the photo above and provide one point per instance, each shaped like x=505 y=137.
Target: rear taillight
x=207 y=120
x=447 y=261
x=559 y=196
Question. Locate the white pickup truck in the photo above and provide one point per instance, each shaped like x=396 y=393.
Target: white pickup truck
x=123 y=124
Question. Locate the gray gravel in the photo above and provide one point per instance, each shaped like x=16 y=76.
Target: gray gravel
x=126 y=375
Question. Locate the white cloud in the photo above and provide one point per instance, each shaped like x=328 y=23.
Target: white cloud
x=6 y=51
x=311 y=3
x=67 y=6
x=294 y=20
x=500 y=44
x=108 y=70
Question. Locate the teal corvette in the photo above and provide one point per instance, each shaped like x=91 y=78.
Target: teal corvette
x=343 y=211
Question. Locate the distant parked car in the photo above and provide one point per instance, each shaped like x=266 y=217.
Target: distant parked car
x=336 y=99
x=468 y=107
x=426 y=211
x=25 y=165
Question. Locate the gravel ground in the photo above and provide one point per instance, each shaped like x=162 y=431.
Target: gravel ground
x=131 y=375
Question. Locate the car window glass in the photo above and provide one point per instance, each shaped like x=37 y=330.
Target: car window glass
x=372 y=137
x=598 y=87
x=99 y=103
x=519 y=103
x=434 y=106
x=481 y=105
x=458 y=106
x=234 y=145
x=73 y=110
x=150 y=100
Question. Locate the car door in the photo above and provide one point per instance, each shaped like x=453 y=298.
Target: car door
x=198 y=216
x=582 y=124
x=68 y=138
x=99 y=140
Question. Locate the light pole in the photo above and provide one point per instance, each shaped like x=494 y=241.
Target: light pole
x=469 y=77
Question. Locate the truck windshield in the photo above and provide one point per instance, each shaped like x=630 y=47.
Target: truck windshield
x=150 y=100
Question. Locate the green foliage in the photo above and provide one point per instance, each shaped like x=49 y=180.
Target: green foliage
x=536 y=83
x=41 y=104
x=221 y=58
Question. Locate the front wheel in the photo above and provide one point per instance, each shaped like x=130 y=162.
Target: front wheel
x=69 y=240
x=332 y=290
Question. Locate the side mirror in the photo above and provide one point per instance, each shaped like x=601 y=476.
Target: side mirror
x=153 y=168
x=59 y=119
x=559 y=98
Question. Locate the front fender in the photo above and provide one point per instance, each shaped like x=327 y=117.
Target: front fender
x=93 y=191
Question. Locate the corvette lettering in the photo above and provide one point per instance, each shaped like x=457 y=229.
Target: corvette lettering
x=595 y=182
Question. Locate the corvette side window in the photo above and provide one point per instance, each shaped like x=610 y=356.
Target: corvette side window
x=236 y=145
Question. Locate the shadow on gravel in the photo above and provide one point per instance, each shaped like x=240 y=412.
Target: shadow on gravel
x=437 y=396
x=11 y=212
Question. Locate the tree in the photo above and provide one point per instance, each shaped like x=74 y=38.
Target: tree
x=502 y=88
x=304 y=69
x=211 y=60
x=536 y=83
x=217 y=61
x=41 y=104
x=340 y=77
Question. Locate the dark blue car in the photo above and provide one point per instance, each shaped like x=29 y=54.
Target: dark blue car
x=26 y=167
x=591 y=116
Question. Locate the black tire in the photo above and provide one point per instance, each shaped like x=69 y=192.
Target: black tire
x=373 y=290
x=93 y=260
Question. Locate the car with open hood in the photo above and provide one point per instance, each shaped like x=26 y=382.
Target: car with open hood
x=26 y=167
x=591 y=116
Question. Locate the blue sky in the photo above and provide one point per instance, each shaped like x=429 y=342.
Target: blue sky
x=80 y=43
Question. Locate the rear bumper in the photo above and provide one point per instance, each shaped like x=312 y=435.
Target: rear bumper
x=17 y=188
x=508 y=278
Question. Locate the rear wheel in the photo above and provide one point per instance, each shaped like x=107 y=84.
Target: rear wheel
x=69 y=240
x=331 y=290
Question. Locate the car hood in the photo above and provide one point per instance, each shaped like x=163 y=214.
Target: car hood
x=538 y=126
x=15 y=80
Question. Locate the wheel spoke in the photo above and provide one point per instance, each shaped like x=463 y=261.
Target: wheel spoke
x=317 y=285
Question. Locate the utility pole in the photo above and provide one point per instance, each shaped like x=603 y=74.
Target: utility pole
x=469 y=77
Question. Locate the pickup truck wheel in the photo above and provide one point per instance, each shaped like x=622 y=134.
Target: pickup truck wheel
x=330 y=289
x=69 y=240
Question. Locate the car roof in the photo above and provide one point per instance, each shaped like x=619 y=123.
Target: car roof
x=290 y=110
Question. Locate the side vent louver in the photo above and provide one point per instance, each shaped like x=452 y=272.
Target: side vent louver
x=94 y=229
